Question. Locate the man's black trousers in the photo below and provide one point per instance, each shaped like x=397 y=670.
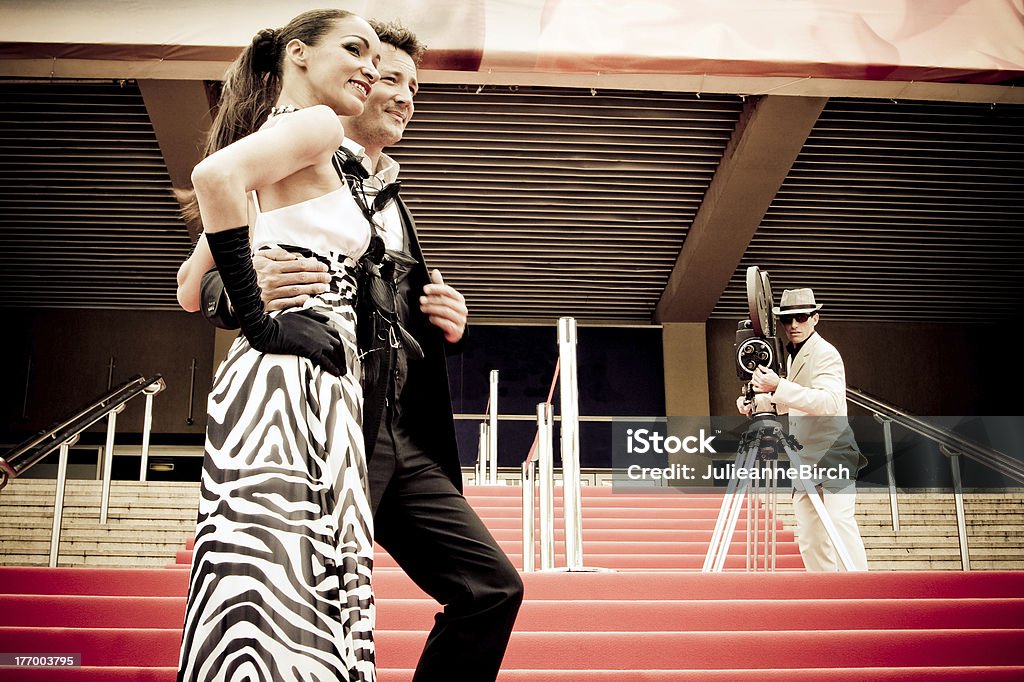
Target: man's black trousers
x=440 y=542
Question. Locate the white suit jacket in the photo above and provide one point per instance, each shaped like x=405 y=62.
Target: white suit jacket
x=816 y=383
x=814 y=396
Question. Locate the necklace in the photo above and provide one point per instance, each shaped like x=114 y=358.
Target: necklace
x=286 y=109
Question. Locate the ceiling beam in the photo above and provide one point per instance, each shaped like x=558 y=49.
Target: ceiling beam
x=769 y=134
x=180 y=112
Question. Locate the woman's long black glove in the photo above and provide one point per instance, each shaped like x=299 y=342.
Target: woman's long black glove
x=304 y=333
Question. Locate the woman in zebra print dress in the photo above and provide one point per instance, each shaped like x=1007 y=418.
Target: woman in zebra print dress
x=280 y=586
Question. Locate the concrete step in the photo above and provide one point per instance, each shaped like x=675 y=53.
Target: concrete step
x=113 y=533
x=95 y=560
x=91 y=548
x=113 y=511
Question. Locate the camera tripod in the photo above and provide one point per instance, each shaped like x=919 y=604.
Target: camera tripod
x=761 y=444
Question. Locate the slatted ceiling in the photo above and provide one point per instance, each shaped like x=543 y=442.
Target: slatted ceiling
x=87 y=217
x=900 y=211
x=544 y=202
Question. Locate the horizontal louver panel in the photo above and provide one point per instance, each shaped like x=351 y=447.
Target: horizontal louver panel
x=87 y=216
x=544 y=202
x=900 y=211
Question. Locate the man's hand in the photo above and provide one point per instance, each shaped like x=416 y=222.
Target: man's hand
x=764 y=380
x=445 y=307
x=288 y=280
x=743 y=406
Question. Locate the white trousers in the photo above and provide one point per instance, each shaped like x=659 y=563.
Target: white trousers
x=815 y=545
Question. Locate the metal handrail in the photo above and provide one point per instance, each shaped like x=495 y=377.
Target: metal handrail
x=951 y=444
x=35 y=448
x=483 y=448
x=532 y=454
x=538 y=468
x=65 y=434
x=998 y=461
x=543 y=450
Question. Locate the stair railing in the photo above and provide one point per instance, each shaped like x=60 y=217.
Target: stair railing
x=486 y=468
x=568 y=385
x=951 y=444
x=541 y=455
x=63 y=435
x=480 y=469
x=543 y=448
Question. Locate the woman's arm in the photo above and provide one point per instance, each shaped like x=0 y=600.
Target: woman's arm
x=305 y=138
x=190 y=275
x=222 y=180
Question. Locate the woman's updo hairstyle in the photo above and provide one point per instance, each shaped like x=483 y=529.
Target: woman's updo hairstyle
x=266 y=51
x=252 y=83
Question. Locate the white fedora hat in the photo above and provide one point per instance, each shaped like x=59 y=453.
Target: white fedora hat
x=796 y=301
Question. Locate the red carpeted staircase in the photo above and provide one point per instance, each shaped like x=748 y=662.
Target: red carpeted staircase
x=655 y=618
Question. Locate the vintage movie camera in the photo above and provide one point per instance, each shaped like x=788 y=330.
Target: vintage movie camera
x=756 y=340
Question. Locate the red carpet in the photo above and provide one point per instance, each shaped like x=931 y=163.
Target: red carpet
x=652 y=620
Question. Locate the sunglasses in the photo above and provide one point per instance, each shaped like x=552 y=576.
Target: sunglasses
x=799 y=317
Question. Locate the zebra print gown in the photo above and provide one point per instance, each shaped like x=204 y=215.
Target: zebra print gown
x=280 y=586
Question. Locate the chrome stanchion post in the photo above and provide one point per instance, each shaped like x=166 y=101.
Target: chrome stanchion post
x=481 y=456
x=748 y=545
x=546 y=456
x=890 y=472
x=58 y=501
x=754 y=500
x=529 y=519
x=775 y=509
x=108 y=461
x=147 y=425
x=767 y=517
x=767 y=485
x=958 y=499
x=569 y=391
x=492 y=430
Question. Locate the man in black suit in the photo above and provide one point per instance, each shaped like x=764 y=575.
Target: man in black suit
x=420 y=515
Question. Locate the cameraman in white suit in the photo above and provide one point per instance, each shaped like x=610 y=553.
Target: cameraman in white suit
x=814 y=391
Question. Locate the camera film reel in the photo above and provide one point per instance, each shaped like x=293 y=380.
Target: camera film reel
x=756 y=343
x=759 y=301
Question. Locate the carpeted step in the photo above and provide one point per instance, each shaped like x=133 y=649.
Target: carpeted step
x=613 y=500
x=617 y=512
x=571 y=615
x=987 y=673
x=394 y=584
x=922 y=674
x=515 y=535
x=691 y=561
x=589 y=523
x=603 y=650
x=625 y=545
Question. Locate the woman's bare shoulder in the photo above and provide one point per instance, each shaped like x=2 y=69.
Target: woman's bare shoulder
x=318 y=124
